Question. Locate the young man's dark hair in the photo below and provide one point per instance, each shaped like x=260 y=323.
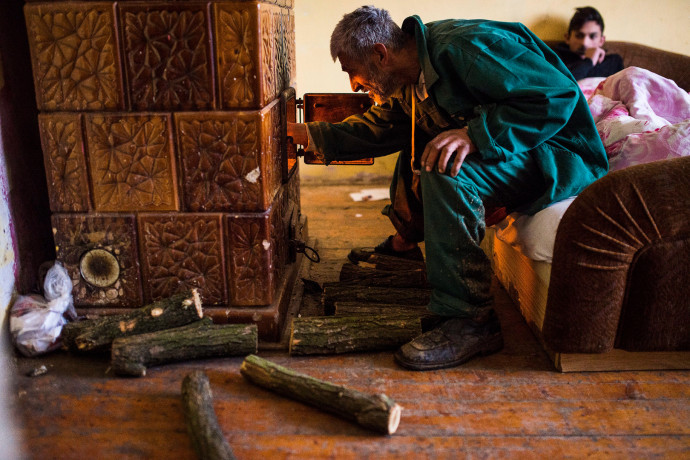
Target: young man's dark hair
x=582 y=51
x=585 y=14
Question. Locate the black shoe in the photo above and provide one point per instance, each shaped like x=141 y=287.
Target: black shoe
x=455 y=341
x=385 y=248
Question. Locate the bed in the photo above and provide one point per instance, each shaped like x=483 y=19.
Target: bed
x=603 y=278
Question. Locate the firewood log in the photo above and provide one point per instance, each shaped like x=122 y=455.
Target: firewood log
x=368 y=276
x=202 y=423
x=354 y=292
x=344 y=334
x=377 y=412
x=369 y=309
x=391 y=263
x=201 y=339
x=71 y=331
x=98 y=334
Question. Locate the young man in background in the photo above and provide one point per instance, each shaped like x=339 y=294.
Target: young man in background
x=582 y=51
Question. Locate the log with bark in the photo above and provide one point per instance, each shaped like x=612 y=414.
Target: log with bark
x=368 y=309
x=377 y=412
x=345 y=334
x=98 y=334
x=202 y=423
x=391 y=263
x=201 y=339
x=368 y=276
x=353 y=292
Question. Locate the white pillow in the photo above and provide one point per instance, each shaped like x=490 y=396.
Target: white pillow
x=534 y=235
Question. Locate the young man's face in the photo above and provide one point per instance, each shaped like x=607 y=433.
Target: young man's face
x=589 y=36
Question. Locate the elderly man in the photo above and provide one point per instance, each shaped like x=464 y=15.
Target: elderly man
x=484 y=115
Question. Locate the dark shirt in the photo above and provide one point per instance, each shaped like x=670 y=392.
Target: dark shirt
x=584 y=68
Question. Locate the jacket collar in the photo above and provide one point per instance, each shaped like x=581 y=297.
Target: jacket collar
x=413 y=25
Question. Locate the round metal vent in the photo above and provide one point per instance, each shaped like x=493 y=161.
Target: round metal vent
x=99 y=268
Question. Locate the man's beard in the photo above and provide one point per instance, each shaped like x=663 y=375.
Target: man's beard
x=381 y=85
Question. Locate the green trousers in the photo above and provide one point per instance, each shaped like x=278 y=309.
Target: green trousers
x=447 y=213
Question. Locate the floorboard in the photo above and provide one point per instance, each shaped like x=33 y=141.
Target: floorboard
x=509 y=405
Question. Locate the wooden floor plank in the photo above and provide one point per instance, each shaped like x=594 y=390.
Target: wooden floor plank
x=467 y=447
x=271 y=446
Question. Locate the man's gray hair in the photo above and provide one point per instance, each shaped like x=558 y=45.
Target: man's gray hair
x=357 y=33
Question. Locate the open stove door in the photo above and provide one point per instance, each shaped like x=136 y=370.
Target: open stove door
x=334 y=108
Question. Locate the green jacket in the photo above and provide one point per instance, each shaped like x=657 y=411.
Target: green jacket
x=503 y=83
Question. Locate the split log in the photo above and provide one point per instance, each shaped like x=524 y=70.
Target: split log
x=353 y=292
x=202 y=423
x=368 y=276
x=368 y=309
x=345 y=334
x=201 y=339
x=98 y=334
x=391 y=263
x=377 y=412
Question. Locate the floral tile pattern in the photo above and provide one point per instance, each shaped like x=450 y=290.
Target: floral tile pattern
x=230 y=161
x=180 y=252
x=65 y=164
x=131 y=162
x=74 y=55
x=167 y=57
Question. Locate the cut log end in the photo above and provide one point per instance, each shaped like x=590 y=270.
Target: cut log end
x=197 y=302
x=394 y=418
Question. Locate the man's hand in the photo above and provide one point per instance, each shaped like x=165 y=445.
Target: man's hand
x=597 y=55
x=298 y=133
x=439 y=150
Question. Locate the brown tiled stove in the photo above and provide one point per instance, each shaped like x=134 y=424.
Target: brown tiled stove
x=163 y=132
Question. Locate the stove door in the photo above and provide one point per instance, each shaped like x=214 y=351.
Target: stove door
x=334 y=108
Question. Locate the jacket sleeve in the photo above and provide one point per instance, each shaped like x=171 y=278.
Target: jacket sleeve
x=380 y=131
x=527 y=99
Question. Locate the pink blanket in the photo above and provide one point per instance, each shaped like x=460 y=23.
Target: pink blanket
x=640 y=116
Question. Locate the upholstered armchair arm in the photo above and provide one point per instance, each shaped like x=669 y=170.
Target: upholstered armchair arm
x=621 y=265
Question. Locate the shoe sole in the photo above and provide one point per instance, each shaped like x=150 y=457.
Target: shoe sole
x=495 y=345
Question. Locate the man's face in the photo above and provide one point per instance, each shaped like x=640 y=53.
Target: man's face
x=589 y=36
x=368 y=78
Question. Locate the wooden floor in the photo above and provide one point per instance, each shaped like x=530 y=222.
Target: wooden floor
x=509 y=405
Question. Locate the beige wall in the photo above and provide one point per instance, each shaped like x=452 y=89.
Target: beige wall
x=658 y=23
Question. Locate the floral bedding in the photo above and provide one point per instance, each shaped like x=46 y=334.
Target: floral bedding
x=640 y=116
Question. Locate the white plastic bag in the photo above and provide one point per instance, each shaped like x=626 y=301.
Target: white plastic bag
x=36 y=322
x=58 y=287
